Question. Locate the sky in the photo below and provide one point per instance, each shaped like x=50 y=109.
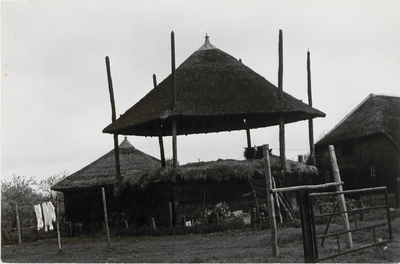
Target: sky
x=54 y=91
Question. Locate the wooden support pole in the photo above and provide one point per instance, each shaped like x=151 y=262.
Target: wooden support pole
x=248 y=134
x=113 y=119
x=308 y=241
x=282 y=146
x=310 y=121
x=18 y=224
x=340 y=197
x=174 y=126
x=160 y=138
x=58 y=227
x=70 y=228
x=270 y=198
x=174 y=149
x=161 y=143
x=170 y=214
x=105 y=216
x=280 y=69
x=278 y=207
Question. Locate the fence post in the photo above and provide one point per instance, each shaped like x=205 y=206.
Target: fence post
x=308 y=246
x=126 y=225
x=58 y=227
x=340 y=197
x=105 y=215
x=362 y=211
x=18 y=224
x=278 y=207
x=170 y=215
x=270 y=197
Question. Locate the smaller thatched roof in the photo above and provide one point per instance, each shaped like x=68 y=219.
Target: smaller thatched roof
x=377 y=114
x=220 y=171
x=102 y=172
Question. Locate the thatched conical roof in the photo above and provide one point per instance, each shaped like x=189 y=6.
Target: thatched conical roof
x=102 y=171
x=215 y=92
x=377 y=114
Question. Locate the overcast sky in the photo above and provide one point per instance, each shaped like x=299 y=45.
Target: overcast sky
x=54 y=91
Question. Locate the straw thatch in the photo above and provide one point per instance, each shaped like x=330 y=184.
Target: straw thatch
x=215 y=92
x=220 y=171
x=377 y=114
x=102 y=171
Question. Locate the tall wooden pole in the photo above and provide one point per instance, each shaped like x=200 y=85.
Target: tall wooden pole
x=58 y=226
x=105 y=215
x=248 y=134
x=160 y=139
x=310 y=120
x=113 y=118
x=281 y=119
x=270 y=198
x=340 y=197
x=18 y=224
x=174 y=127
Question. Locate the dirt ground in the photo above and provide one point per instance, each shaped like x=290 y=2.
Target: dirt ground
x=242 y=246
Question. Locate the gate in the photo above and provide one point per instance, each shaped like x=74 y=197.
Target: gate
x=314 y=238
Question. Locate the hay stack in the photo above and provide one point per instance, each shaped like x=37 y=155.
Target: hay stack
x=220 y=171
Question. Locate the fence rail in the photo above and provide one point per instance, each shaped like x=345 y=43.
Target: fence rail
x=377 y=242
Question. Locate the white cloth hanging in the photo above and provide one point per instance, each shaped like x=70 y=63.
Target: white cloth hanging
x=49 y=215
x=39 y=217
x=52 y=213
x=46 y=217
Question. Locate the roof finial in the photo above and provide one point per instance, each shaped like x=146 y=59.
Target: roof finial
x=207 y=45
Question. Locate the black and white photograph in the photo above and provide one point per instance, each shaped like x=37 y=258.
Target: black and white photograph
x=200 y=131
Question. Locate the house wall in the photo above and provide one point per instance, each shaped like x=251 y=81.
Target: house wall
x=86 y=206
x=191 y=199
x=138 y=205
x=364 y=162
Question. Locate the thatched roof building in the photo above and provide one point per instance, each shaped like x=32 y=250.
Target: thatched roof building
x=377 y=114
x=367 y=146
x=102 y=172
x=214 y=92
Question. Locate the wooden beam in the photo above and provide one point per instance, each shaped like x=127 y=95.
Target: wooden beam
x=58 y=226
x=307 y=187
x=105 y=215
x=160 y=138
x=282 y=146
x=174 y=125
x=310 y=121
x=340 y=197
x=18 y=224
x=248 y=133
x=117 y=190
x=270 y=198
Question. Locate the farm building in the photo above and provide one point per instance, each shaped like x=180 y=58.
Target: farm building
x=211 y=91
x=367 y=145
x=214 y=92
x=148 y=190
x=82 y=189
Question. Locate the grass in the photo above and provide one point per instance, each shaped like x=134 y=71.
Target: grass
x=232 y=244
